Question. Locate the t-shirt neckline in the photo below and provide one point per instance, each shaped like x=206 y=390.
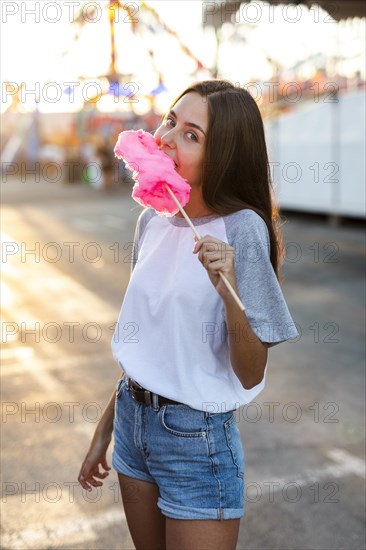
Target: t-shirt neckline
x=181 y=222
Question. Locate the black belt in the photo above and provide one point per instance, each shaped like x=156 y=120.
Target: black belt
x=141 y=395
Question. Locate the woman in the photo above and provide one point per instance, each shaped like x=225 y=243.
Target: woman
x=190 y=357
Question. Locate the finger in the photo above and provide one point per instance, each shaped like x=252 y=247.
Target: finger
x=217 y=265
x=210 y=246
x=207 y=261
x=87 y=474
x=94 y=482
x=197 y=247
x=202 y=258
x=84 y=484
x=209 y=258
x=101 y=475
x=104 y=463
x=223 y=255
x=200 y=242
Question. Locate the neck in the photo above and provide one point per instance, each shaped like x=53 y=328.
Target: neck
x=195 y=207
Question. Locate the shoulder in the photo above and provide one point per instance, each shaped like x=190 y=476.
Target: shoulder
x=245 y=223
x=247 y=215
x=145 y=216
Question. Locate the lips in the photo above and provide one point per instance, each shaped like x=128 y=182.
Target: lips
x=172 y=160
x=176 y=165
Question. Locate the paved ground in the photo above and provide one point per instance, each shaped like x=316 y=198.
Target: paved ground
x=303 y=437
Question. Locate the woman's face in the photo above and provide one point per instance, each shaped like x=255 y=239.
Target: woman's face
x=182 y=136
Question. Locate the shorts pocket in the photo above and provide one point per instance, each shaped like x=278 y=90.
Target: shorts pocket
x=234 y=443
x=182 y=421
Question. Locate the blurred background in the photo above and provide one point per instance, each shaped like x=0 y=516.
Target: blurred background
x=76 y=74
x=93 y=69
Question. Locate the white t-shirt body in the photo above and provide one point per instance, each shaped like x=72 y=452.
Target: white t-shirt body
x=171 y=336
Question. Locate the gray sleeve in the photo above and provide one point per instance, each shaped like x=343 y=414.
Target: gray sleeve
x=141 y=224
x=258 y=286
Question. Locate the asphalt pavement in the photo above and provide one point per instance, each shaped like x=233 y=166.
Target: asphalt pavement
x=66 y=254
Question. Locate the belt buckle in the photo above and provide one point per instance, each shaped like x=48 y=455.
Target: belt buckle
x=147 y=395
x=135 y=385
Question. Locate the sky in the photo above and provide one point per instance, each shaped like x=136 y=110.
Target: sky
x=38 y=46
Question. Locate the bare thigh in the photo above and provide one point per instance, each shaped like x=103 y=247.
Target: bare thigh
x=202 y=534
x=144 y=519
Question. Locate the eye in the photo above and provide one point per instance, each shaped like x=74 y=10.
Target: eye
x=169 y=119
x=194 y=137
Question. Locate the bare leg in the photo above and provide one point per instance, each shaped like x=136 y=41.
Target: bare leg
x=202 y=534
x=145 y=520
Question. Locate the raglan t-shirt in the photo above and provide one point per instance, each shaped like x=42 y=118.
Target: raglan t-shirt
x=171 y=335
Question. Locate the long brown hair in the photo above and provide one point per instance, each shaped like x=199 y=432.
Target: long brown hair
x=236 y=172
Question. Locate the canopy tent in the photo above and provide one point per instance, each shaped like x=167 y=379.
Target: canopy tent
x=338 y=9
x=148 y=21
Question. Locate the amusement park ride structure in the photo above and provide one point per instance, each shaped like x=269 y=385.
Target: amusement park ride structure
x=327 y=123
x=148 y=20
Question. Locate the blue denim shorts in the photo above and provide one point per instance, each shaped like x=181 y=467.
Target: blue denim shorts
x=196 y=458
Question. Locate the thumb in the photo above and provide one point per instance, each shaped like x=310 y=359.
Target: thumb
x=104 y=464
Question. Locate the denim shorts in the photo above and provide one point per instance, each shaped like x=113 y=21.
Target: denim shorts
x=196 y=458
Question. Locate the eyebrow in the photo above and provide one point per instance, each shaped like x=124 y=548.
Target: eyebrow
x=192 y=124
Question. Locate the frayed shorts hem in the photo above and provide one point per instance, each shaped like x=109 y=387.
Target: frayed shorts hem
x=175 y=511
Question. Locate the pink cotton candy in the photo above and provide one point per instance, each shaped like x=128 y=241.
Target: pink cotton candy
x=151 y=169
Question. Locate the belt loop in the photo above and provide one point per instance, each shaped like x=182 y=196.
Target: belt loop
x=147 y=397
x=155 y=402
x=127 y=382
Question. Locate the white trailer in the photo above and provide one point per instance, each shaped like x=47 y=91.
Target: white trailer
x=317 y=155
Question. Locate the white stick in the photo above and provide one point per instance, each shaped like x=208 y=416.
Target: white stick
x=227 y=283
x=182 y=211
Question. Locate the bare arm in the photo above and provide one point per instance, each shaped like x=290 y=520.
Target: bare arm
x=105 y=424
x=98 y=449
x=248 y=355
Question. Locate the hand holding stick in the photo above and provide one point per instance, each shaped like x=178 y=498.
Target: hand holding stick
x=151 y=169
x=227 y=283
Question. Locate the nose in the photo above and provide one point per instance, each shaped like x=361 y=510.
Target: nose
x=167 y=139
